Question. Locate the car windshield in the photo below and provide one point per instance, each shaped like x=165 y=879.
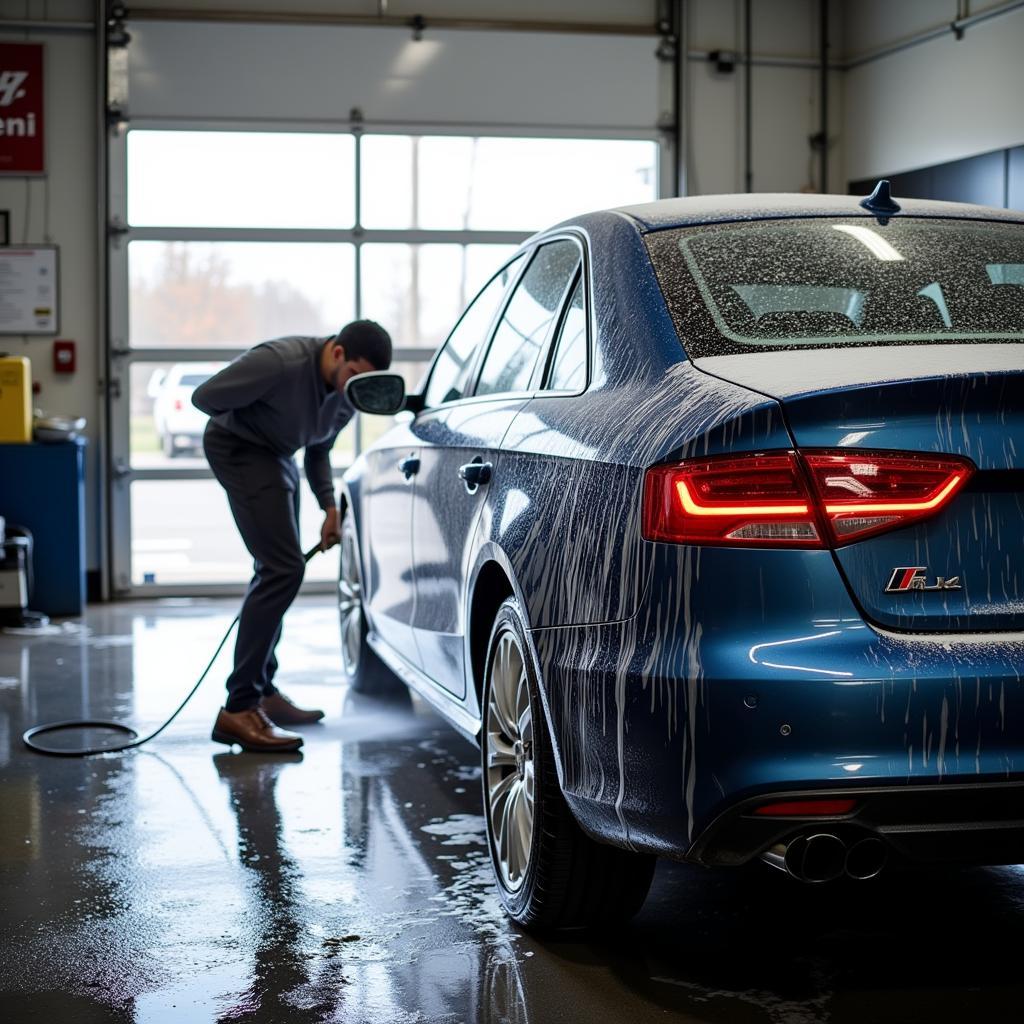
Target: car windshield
x=193 y=380
x=822 y=283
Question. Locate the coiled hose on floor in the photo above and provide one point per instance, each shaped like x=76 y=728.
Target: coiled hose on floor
x=31 y=736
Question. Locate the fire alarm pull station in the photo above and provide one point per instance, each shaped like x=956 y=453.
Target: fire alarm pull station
x=63 y=356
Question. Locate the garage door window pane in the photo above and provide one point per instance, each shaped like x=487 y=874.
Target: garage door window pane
x=417 y=292
x=182 y=532
x=166 y=429
x=497 y=184
x=241 y=179
x=237 y=293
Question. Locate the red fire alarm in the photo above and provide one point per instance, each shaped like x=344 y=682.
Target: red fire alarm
x=63 y=356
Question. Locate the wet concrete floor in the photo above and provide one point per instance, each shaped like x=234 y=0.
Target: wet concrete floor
x=183 y=882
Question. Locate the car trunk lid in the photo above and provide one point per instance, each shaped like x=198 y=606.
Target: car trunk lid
x=961 y=569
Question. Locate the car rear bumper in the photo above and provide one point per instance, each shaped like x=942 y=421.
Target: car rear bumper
x=670 y=724
x=980 y=823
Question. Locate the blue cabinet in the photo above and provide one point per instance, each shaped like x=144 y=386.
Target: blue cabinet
x=42 y=487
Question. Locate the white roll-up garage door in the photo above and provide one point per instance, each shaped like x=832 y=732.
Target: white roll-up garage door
x=270 y=179
x=319 y=73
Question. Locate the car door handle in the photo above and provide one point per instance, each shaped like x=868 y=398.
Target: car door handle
x=475 y=473
x=409 y=467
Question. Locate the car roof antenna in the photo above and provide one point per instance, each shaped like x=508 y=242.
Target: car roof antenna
x=881 y=202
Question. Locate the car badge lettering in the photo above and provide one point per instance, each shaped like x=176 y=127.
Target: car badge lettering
x=915 y=577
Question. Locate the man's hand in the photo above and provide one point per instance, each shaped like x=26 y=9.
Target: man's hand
x=330 y=532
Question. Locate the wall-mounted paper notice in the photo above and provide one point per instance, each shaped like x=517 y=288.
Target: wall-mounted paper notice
x=29 y=290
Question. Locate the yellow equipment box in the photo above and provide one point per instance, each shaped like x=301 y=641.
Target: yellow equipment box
x=15 y=400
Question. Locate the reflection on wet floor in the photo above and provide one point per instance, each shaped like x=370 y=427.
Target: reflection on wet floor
x=350 y=882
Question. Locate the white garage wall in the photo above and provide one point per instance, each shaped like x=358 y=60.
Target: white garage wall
x=938 y=101
x=785 y=99
x=70 y=190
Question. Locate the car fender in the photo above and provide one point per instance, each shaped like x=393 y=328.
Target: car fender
x=486 y=554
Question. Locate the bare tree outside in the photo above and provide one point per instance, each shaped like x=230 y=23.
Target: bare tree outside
x=192 y=301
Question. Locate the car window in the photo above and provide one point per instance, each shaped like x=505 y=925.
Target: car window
x=523 y=329
x=453 y=367
x=569 y=365
x=835 y=283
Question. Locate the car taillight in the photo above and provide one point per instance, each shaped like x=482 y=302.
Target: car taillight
x=177 y=405
x=866 y=493
x=788 y=499
x=750 y=499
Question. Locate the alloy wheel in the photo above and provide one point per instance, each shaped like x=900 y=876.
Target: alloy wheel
x=350 y=603
x=509 y=773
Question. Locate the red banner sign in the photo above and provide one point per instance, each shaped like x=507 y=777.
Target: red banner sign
x=21 y=108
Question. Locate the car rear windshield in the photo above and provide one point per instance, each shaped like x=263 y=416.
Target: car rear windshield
x=820 y=283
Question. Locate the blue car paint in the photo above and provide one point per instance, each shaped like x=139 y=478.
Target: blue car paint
x=980 y=418
x=444 y=521
x=384 y=517
x=679 y=681
x=778 y=630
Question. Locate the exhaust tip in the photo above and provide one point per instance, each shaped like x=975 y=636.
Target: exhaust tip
x=815 y=858
x=866 y=859
x=824 y=858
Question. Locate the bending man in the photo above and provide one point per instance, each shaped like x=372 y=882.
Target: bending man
x=278 y=397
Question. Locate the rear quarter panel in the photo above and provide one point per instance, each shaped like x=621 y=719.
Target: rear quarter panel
x=564 y=517
x=566 y=503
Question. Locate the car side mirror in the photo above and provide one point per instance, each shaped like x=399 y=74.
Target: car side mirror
x=379 y=393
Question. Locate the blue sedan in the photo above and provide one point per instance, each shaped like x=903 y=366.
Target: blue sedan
x=707 y=525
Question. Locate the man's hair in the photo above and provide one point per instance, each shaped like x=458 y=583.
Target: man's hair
x=366 y=339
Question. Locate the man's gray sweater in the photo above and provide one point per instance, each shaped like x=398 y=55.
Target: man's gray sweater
x=275 y=396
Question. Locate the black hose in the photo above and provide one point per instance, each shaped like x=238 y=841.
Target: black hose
x=29 y=737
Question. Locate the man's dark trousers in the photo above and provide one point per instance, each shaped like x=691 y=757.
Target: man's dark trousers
x=263 y=493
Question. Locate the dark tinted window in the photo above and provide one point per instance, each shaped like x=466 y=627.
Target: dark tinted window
x=819 y=283
x=450 y=375
x=569 y=365
x=523 y=329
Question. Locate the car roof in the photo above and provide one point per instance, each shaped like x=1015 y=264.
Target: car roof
x=675 y=213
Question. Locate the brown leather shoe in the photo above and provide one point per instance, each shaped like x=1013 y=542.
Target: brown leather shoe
x=282 y=711
x=253 y=730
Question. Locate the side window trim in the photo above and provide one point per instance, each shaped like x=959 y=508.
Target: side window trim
x=583 y=276
x=485 y=347
x=514 y=280
x=542 y=374
x=542 y=359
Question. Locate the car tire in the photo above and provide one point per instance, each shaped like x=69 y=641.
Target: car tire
x=555 y=876
x=363 y=671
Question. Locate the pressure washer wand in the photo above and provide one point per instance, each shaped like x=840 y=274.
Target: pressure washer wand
x=29 y=737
